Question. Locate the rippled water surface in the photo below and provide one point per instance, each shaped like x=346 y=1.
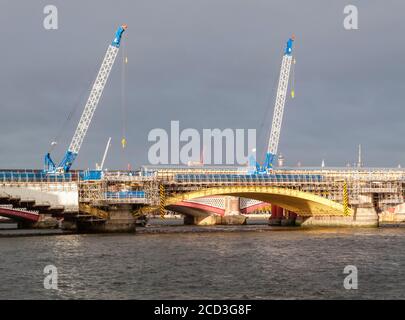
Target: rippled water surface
x=258 y=265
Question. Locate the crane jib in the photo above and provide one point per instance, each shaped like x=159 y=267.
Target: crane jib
x=278 y=109
x=89 y=109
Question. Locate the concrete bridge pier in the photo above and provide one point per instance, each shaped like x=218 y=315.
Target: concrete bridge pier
x=120 y=219
x=289 y=218
x=364 y=215
x=45 y=221
x=281 y=217
x=212 y=219
x=232 y=215
x=113 y=218
x=277 y=215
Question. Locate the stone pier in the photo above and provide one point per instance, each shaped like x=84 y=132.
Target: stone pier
x=281 y=217
x=365 y=215
x=45 y=221
x=276 y=215
x=114 y=218
x=232 y=215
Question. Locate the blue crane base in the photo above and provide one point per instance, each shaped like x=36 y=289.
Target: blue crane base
x=64 y=165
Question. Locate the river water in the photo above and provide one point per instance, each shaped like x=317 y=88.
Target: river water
x=256 y=264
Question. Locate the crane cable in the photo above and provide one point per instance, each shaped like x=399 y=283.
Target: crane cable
x=79 y=102
x=293 y=79
x=293 y=75
x=123 y=107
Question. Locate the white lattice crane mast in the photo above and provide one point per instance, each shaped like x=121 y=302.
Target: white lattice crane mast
x=90 y=107
x=279 y=107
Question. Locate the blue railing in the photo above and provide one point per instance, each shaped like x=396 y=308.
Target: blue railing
x=248 y=178
x=125 y=194
x=90 y=175
x=35 y=176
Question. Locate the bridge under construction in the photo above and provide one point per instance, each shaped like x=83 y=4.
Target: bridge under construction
x=101 y=200
x=324 y=196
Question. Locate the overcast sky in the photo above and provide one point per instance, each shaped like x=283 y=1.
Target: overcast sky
x=208 y=64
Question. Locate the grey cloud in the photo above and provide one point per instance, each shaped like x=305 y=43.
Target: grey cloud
x=208 y=64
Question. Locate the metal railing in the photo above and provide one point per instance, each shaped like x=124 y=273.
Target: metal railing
x=137 y=196
x=242 y=179
x=125 y=195
x=32 y=176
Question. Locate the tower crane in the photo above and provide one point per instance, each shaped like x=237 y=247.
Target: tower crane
x=89 y=109
x=278 y=109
